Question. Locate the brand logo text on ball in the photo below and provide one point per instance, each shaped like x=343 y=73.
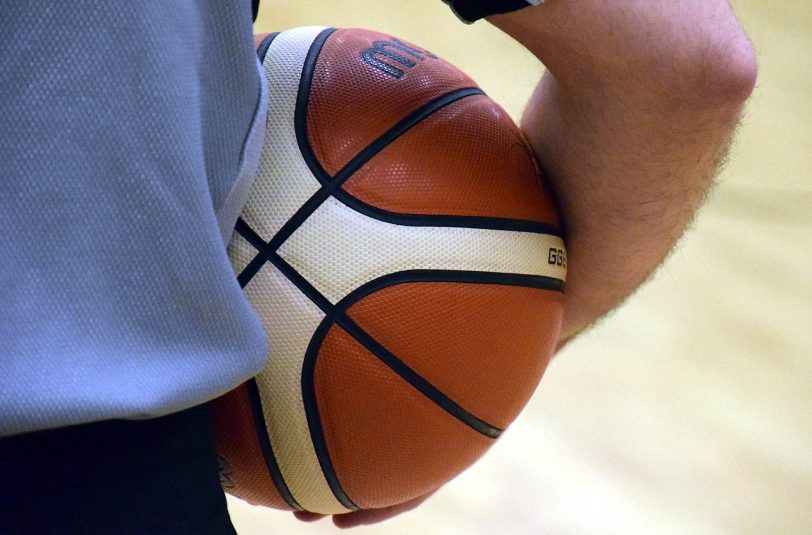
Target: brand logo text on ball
x=382 y=54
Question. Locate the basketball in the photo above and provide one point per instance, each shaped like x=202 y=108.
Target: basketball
x=406 y=258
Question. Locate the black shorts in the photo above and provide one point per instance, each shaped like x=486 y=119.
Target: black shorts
x=149 y=476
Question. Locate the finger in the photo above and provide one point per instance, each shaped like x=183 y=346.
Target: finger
x=306 y=516
x=373 y=516
x=258 y=38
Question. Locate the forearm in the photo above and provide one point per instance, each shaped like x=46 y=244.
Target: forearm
x=630 y=123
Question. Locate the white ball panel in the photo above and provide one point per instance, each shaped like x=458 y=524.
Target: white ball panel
x=290 y=320
x=283 y=182
x=240 y=252
x=338 y=249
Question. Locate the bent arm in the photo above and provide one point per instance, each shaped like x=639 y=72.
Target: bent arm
x=630 y=123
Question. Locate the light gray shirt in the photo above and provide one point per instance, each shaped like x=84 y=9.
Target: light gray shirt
x=129 y=134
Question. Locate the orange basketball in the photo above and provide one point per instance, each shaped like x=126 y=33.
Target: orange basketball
x=406 y=259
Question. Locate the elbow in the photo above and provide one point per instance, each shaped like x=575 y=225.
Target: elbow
x=732 y=74
x=718 y=74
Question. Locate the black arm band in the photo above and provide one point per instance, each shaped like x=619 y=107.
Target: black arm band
x=472 y=10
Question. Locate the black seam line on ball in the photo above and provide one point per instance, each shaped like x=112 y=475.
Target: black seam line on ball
x=414 y=379
x=266 y=446
x=432 y=220
x=538 y=282
x=308 y=389
x=331 y=185
x=250 y=235
x=304 y=286
x=302 y=99
x=398 y=366
x=400 y=128
x=312 y=413
x=262 y=49
x=253 y=267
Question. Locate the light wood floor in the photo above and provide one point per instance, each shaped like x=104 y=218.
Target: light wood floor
x=688 y=411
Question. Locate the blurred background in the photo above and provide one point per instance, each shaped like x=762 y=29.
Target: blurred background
x=688 y=410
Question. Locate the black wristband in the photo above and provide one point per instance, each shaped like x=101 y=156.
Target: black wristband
x=470 y=11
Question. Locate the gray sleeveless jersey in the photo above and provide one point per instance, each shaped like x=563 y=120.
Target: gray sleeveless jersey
x=129 y=132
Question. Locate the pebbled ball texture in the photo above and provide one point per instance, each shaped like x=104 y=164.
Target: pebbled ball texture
x=408 y=267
